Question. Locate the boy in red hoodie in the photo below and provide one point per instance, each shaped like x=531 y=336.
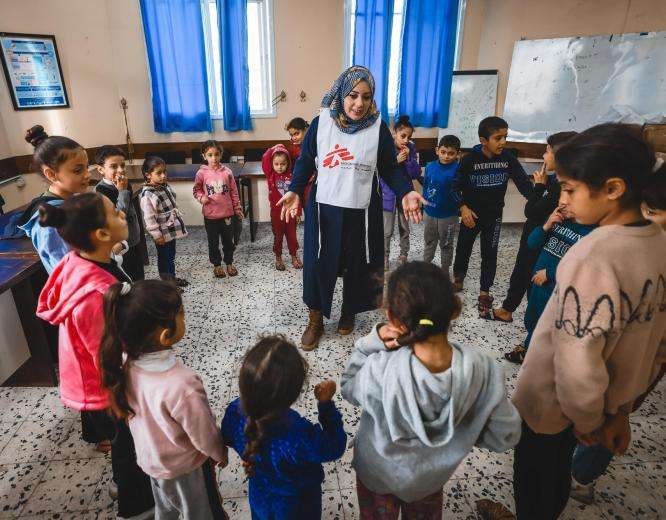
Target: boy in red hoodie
x=215 y=188
x=276 y=164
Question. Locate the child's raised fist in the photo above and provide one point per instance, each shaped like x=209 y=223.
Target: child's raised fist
x=325 y=391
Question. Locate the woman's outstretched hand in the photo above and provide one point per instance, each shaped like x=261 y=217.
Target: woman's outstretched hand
x=411 y=205
x=291 y=206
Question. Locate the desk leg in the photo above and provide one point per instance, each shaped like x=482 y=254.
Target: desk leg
x=39 y=370
x=250 y=210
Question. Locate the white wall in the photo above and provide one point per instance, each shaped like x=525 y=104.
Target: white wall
x=103 y=56
x=495 y=25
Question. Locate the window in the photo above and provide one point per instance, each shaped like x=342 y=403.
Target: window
x=259 y=57
x=396 y=43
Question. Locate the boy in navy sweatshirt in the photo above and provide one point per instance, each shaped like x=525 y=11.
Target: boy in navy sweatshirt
x=441 y=213
x=480 y=184
x=540 y=205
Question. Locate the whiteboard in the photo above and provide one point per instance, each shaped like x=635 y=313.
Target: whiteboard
x=473 y=97
x=574 y=83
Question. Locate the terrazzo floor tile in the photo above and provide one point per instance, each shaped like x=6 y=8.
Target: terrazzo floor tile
x=331 y=506
x=232 y=479
x=620 y=493
x=66 y=485
x=224 y=318
x=49 y=406
x=237 y=507
x=101 y=500
x=17 y=403
x=7 y=431
x=17 y=484
x=37 y=441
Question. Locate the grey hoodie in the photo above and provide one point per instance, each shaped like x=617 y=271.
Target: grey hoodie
x=417 y=426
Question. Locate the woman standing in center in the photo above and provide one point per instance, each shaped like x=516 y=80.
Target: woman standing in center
x=347 y=143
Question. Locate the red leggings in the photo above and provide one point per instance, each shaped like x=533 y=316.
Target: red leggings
x=280 y=229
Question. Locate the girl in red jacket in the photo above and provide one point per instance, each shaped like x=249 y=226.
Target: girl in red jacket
x=276 y=164
x=73 y=299
x=215 y=188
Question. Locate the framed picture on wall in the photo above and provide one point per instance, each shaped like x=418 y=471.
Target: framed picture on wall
x=32 y=70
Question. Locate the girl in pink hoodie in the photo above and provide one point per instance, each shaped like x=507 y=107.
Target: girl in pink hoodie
x=73 y=299
x=215 y=188
x=177 y=440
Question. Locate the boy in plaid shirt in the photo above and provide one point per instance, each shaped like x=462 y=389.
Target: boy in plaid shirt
x=162 y=217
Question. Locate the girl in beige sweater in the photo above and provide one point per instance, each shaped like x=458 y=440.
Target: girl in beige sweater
x=602 y=338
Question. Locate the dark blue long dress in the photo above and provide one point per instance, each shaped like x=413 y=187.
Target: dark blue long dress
x=342 y=250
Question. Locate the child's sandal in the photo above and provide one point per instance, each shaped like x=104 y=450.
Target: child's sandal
x=296 y=262
x=517 y=355
x=279 y=264
x=485 y=306
x=218 y=272
x=231 y=270
x=103 y=447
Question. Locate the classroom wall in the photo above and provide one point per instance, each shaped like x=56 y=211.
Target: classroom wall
x=102 y=52
x=5 y=149
x=498 y=24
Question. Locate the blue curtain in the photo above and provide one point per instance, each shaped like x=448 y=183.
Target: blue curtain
x=177 y=59
x=372 y=44
x=232 y=23
x=428 y=47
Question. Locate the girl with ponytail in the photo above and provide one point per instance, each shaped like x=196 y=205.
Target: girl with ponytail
x=64 y=164
x=72 y=299
x=164 y=402
x=426 y=401
x=282 y=452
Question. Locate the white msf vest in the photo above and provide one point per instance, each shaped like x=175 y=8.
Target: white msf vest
x=346 y=163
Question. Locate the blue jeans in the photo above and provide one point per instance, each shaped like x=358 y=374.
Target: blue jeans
x=590 y=462
x=166 y=259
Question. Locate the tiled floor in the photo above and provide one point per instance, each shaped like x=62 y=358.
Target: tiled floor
x=46 y=471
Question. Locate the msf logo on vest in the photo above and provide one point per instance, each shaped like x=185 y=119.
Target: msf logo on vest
x=336 y=156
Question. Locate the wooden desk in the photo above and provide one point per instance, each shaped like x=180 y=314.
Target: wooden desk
x=251 y=170
x=21 y=271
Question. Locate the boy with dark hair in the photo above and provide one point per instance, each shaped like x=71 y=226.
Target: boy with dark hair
x=540 y=205
x=480 y=183
x=114 y=185
x=441 y=213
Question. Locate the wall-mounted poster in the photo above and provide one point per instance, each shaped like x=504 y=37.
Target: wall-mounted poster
x=32 y=69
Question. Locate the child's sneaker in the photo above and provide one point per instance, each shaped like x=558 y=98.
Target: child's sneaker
x=231 y=270
x=218 y=271
x=457 y=285
x=402 y=259
x=583 y=493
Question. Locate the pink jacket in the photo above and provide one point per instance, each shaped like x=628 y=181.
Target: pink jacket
x=173 y=427
x=72 y=299
x=220 y=187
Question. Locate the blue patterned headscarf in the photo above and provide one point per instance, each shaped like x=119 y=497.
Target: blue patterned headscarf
x=334 y=99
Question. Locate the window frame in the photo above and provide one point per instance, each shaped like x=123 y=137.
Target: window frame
x=267 y=44
x=350 y=9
